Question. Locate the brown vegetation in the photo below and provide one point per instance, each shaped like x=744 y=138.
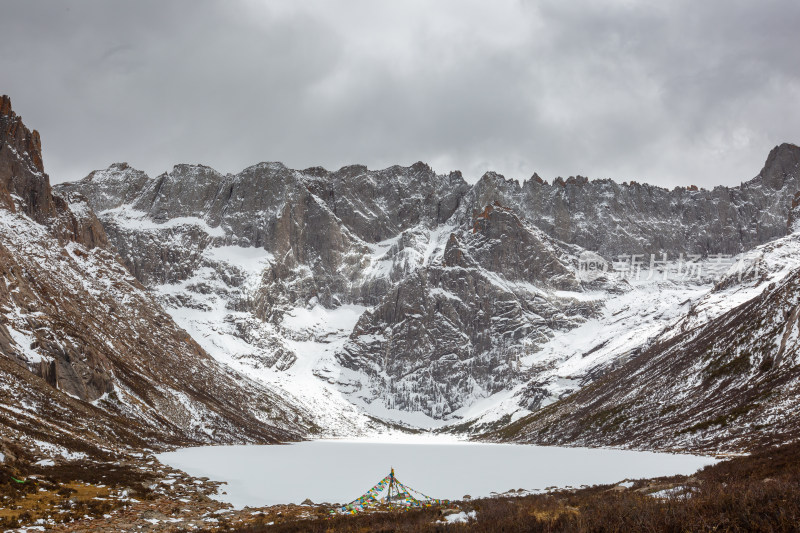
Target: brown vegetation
x=65 y=492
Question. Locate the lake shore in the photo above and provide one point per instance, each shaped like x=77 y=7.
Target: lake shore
x=338 y=471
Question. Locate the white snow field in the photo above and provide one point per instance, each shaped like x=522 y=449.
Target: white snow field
x=338 y=471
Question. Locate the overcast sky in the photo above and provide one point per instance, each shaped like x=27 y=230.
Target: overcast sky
x=668 y=92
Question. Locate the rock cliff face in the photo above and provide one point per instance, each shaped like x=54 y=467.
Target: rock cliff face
x=80 y=337
x=313 y=218
x=21 y=166
x=454 y=330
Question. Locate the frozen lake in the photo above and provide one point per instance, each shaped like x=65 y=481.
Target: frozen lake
x=340 y=471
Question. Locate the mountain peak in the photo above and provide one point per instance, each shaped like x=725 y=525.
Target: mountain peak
x=782 y=161
x=5 y=105
x=21 y=167
x=20 y=137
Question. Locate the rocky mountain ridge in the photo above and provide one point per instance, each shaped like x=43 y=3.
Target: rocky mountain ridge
x=415 y=297
x=630 y=218
x=598 y=215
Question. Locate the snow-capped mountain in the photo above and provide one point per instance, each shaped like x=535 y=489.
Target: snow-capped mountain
x=89 y=361
x=408 y=296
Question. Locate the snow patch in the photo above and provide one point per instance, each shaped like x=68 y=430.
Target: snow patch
x=252 y=260
x=134 y=220
x=23 y=341
x=321 y=319
x=460 y=518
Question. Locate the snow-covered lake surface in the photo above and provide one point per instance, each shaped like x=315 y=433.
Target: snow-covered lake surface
x=340 y=471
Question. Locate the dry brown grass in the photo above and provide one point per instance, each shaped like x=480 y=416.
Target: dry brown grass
x=62 y=493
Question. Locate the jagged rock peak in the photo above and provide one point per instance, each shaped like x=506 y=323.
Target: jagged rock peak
x=25 y=186
x=317 y=172
x=579 y=180
x=351 y=170
x=197 y=166
x=275 y=166
x=782 y=161
x=492 y=176
x=113 y=171
x=25 y=140
x=21 y=167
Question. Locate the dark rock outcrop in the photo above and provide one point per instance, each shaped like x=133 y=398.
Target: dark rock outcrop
x=21 y=168
x=500 y=242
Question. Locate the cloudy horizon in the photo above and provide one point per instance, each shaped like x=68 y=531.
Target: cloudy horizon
x=675 y=94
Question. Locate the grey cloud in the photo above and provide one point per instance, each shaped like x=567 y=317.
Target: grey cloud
x=670 y=93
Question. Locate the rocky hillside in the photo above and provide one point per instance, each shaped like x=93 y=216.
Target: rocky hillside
x=415 y=297
x=725 y=375
x=89 y=361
